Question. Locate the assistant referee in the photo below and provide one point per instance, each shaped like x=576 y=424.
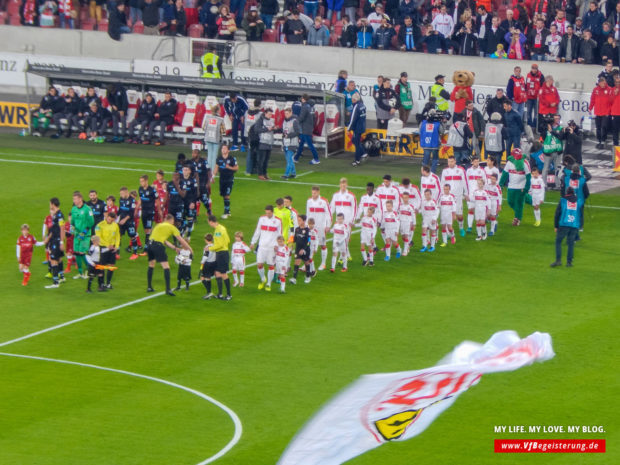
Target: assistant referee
x=221 y=242
x=157 y=250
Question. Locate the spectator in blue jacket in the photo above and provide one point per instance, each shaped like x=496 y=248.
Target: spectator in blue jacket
x=357 y=126
x=513 y=127
x=364 y=34
x=208 y=16
x=235 y=107
x=318 y=34
x=434 y=40
x=408 y=8
x=383 y=35
x=593 y=20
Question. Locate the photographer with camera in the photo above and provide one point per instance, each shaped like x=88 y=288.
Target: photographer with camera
x=573 y=140
x=431 y=129
x=552 y=146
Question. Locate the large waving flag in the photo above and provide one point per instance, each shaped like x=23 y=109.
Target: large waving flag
x=380 y=408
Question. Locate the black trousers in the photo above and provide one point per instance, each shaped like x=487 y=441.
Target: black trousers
x=602 y=125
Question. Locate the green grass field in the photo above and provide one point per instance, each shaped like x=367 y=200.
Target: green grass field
x=276 y=359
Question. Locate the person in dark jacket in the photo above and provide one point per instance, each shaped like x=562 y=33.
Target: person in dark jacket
x=306 y=124
x=408 y=8
x=165 y=117
x=175 y=19
x=409 y=35
x=117 y=98
x=573 y=141
x=513 y=127
x=253 y=26
x=51 y=104
x=84 y=107
x=536 y=38
x=567 y=222
x=364 y=34
x=587 y=49
x=265 y=127
x=268 y=9
x=144 y=117
x=382 y=39
x=496 y=104
x=357 y=126
x=150 y=16
x=71 y=109
x=235 y=107
x=208 y=15
x=117 y=24
x=569 y=46
x=466 y=39
x=474 y=119
x=434 y=40
x=494 y=35
x=387 y=103
x=294 y=29
x=593 y=20
x=96 y=121
x=348 y=38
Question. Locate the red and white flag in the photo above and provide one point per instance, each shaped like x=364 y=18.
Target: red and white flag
x=381 y=408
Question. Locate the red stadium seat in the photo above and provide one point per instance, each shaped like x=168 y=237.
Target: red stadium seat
x=334 y=40
x=320 y=122
x=178 y=116
x=15 y=20
x=269 y=35
x=88 y=25
x=199 y=116
x=138 y=28
x=189 y=115
x=196 y=30
x=3 y=17
x=338 y=28
x=103 y=25
x=13 y=7
x=84 y=14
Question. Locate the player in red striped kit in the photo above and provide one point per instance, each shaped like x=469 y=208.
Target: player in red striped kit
x=455 y=176
x=387 y=191
x=447 y=214
x=481 y=201
x=283 y=260
x=415 y=200
x=368 y=200
x=319 y=210
x=369 y=225
x=25 y=246
x=406 y=218
x=390 y=223
x=430 y=181
x=268 y=229
x=345 y=202
x=340 y=246
x=474 y=173
x=495 y=202
x=430 y=212
x=69 y=246
x=239 y=249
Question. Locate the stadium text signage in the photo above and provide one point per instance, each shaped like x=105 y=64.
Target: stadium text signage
x=14 y=115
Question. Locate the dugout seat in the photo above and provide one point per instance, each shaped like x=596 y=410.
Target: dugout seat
x=189 y=115
x=133 y=98
x=319 y=120
x=332 y=118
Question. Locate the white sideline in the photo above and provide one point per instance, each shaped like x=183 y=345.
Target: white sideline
x=233 y=416
x=237 y=178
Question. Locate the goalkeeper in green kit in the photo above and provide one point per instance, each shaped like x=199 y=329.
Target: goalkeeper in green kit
x=82 y=220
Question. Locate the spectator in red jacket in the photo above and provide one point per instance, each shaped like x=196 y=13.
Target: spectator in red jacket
x=600 y=104
x=516 y=91
x=548 y=104
x=615 y=111
x=533 y=83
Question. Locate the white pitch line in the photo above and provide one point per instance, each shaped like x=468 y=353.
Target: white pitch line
x=237 y=178
x=304 y=174
x=108 y=310
x=233 y=416
x=78 y=159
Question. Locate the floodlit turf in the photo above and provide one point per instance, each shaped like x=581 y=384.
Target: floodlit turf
x=276 y=359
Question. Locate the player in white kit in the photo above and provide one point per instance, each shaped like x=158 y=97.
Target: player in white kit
x=340 y=247
x=318 y=209
x=344 y=202
x=314 y=243
x=495 y=202
x=387 y=191
x=490 y=169
x=391 y=225
x=415 y=200
x=474 y=173
x=406 y=217
x=368 y=200
x=537 y=191
x=455 y=176
x=481 y=209
x=369 y=225
x=237 y=261
x=430 y=212
x=283 y=260
x=430 y=181
x=447 y=215
x=268 y=229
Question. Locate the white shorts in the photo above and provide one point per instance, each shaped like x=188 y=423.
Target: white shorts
x=537 y=200
x=281 y=267
x=405 y=228
x=367 y=238
x=314 y=246
x=427 y=222
x=459 y=205
x=446 y=217
x=493 y=209
x=480 y=213
x=238 y=263
x=470 y=205
x=320 y=237
x=266 y=255
x=339 y=247
x=391 y=233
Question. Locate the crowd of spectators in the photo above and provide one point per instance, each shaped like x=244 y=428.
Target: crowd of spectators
x=575 y=31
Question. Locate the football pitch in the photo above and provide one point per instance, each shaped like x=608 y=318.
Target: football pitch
x=125 y=377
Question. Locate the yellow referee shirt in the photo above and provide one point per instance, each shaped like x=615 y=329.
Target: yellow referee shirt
x=109 y=234
x=221 y=240
x=162 y=232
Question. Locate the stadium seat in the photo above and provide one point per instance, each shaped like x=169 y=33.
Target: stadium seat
x=332 y=118
x=84 y=14
x=103 y=25
x=138 y=28
x=179 y=115
x=88 y=25
x=338 y=28
x=200 y=114
x=269 y=35
x=15 y=20
x=133 y=97
x=334 y=40
x=189 y=115
x=196 y=30
x=3 y=17
x=320 y=120
x=13 y=7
